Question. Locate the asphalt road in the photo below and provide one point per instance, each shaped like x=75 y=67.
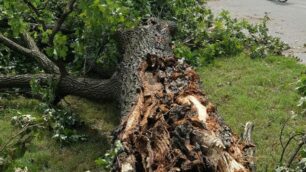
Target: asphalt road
x=288 y=20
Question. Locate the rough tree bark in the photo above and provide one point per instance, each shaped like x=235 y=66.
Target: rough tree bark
x=167 y=122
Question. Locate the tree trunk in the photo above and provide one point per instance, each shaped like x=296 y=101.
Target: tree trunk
x=167 y=122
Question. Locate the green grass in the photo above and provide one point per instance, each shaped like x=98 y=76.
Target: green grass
x=257 y=90
x=45 y=154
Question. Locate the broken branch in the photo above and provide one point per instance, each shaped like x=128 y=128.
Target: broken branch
x=33 y=52
x=296 y=151
x=249 y=146
x=61 y=20
x=14 y=46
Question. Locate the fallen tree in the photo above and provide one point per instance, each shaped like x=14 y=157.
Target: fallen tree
x=167 y=122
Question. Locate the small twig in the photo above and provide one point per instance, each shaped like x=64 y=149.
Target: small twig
x=13 y=137
x=286 y=145
x=61 y=20
x=32 y=7
x=296 y=151
x=16 y=135
x=36 y=11
x=282 y=131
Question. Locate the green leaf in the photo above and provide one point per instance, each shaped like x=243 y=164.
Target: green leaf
x=303 y=153
x=18 y=26
x=60 y=46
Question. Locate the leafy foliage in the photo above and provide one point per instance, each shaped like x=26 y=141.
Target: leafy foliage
x=15 y=146
x=61 y=124
x=302 y=91
x=88 y=33
x=301 y=165
x=46 y=91
x=106 y=162
x=62 y=121
x=64 y=124
x=223 y=36
x=13 y=63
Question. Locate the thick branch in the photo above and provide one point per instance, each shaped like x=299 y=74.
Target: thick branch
x=14 y=46
x=93 y=69
x=97 y=89
x=32 y=52
x=103 y=90
x=30 y=42
x=61 y=20
x=20 y=81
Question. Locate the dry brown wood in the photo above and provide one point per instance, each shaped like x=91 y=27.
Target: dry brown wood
x=173 y=127
x=249 y=148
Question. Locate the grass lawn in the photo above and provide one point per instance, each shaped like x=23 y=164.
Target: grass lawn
x=47 y=155
x=260 y=90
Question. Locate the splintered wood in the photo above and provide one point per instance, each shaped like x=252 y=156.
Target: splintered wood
x=173 y=127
